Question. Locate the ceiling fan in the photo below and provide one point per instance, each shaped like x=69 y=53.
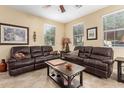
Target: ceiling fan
x=61 y=7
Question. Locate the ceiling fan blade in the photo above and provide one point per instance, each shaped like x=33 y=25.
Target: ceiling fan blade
x=62 y=8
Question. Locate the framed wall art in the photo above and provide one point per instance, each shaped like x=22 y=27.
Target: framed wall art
x=13 y=34
x=92 y=33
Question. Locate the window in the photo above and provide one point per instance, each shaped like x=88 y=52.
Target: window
x=113 y=26
x=49 y=34
x=78 y=33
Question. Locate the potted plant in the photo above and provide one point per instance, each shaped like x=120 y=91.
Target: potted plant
x=65 y=44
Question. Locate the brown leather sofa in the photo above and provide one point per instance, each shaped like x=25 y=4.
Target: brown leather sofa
x=35 y=58
x=97 y=60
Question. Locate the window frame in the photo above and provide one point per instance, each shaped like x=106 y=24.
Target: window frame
x=113 y=12
x=44 y=33
x=79 y=34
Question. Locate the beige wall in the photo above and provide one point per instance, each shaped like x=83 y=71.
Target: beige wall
x=92 y=20
x=35 y=23
x=11 y=16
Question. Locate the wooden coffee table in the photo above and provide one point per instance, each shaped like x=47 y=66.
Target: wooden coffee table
x=63 y=77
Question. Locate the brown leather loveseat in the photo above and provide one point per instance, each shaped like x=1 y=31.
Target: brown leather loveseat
x=35 y=57
x=97 y=60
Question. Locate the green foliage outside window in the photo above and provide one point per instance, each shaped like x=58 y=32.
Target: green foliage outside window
x=78 y=33
x=113 y=26
x=49 y=35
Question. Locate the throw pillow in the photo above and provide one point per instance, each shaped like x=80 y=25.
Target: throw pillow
x=74 y=53
x=22 y=56
x=19 y=56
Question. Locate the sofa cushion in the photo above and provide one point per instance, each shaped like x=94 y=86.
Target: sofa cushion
x=46 y=53
x=37 y=54
x=36 y=51
x=78 y=48
x=85 y=51
x=50 y=57
x=96 y=63
x=99 y=57
x=102 y=51
x=73 y=57
x=82 y=55
x=24 y=50
x=47 y=48
x=21 y=63
x=39 y=59
x=21 y=49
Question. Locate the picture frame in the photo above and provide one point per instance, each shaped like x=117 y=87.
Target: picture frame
x=92 y=33
x=13 y=34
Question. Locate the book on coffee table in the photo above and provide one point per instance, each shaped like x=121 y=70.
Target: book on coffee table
x=56 y=62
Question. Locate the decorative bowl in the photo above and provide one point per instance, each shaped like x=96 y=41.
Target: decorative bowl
x=68 y=66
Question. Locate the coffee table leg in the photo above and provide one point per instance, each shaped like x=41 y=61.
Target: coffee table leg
x=119 y=71
x=69 y=82
x=48 y=71
x=81 y=80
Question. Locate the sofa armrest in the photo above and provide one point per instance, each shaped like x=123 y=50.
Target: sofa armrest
x=11 y=60
x=108 y=61
x=69 y=53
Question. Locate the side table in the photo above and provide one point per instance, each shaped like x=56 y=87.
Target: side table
x=120 y=68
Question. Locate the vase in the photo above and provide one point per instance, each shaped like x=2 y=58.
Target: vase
x=68 y=67
x=3 y=66
x=67 y=48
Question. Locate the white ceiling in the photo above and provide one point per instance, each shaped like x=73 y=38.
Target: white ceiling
x=54 y=12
